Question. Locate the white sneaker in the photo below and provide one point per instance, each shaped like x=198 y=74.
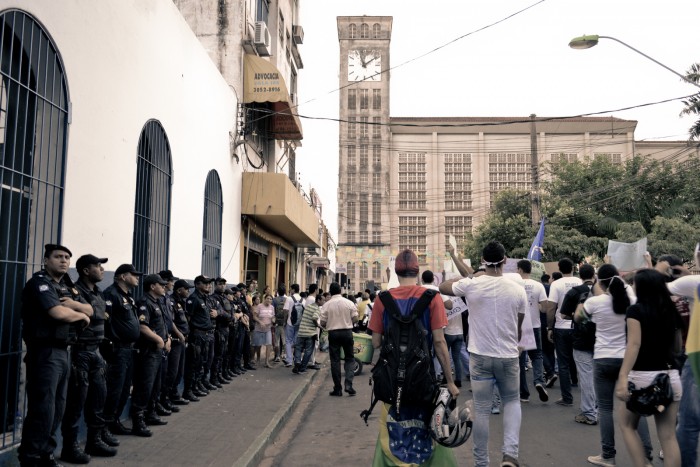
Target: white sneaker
x=600 y=460
x=661 y=454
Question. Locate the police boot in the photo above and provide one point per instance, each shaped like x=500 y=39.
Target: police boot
x=72 y=453
x=231 y=374
x=224 y=378
x=95 y=446
x=117 y=428
x=189 y=396
x=160 y=410
x=176 y=399
x=153 y=419
x=109 y=438
x=210 y=387
x=139 y=426
x=198 y=391
x=201 y=388
x=165 y=402
x=214 y=380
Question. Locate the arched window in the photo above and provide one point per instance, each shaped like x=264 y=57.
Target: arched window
x=153 y=191
x=351 y=274
x=211 y=237
x=353 y=31
x=376 y=31
x=377 y=271
x=33 y=130
x=364 y=271
x=364 y=31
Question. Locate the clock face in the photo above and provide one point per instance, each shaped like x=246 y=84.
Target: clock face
x=364 y=65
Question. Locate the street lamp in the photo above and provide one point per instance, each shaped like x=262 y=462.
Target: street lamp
x=588 y=41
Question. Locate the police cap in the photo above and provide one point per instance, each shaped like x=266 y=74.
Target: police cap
x=167 y=275
x=51 y=247
x=182 y=283
x=124 y=268
x=88 y=260
x=151 y=279
x=220 y=280
x=202 y=280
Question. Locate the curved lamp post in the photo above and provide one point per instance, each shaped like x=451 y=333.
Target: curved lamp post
x=586 y=42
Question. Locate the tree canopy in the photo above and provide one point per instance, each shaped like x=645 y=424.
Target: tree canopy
x=589 y=202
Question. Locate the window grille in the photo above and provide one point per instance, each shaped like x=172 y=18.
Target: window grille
x=211 y=236
x=377 y=271
x=352 y=99
x=364 y=99
x=33 y=130
x=153 y=192
x=364 y=31
x=376 y=99
x=353 y=31
x=376 y=31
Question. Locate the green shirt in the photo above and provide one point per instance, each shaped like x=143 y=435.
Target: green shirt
x=307 y=326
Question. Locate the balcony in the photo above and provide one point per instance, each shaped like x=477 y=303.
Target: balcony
x=275 y=203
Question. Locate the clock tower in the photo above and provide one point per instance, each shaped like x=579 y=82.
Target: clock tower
x=363 y=147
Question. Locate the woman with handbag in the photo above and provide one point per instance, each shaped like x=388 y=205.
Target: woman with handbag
x=607 y=308
x=653 y=337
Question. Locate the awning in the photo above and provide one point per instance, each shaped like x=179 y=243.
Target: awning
x=263 y=83
x=319 y=262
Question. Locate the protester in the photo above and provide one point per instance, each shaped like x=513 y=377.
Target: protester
x=653 y=336
x=263 y=315
x=337 y=317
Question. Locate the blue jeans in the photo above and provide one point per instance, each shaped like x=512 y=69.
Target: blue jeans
x=303 y=349
x=688 y=419
x=605 y=372
x=454 y=345
x=563 y=344
x=290 y=336
x=584 y=365
x=537 y=366
x=464 y=358
x=504 y=373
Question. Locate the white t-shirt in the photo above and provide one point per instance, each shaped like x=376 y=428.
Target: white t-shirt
x=310 y=299
x=494 y=305
x=610 y=334
x=536 y=294
x=288 y=304
x=684 y=287
x=557 y=291
x=453 y=328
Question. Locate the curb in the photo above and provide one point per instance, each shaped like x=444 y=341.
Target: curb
x=255 y=453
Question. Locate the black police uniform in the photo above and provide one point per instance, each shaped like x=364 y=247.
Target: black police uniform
x=121 y=332
x=201 y=333
x=47 y=363
x=247 y=355
x=88 y=386
x=176 y=359
x=167 y=307
x=221 y=336
x=236 y=338
x=148 y=361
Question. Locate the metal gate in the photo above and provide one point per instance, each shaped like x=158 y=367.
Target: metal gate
x=33 y=129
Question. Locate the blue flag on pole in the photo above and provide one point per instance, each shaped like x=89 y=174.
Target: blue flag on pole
x=536 y=251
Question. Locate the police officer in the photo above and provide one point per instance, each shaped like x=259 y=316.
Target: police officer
x=164 y=406
x=88 y=387
x=121 y=332
x=249 y=324
x=235 y=337
x=221 y=335
x=52 y=311
x=152 y=341
x=202 y=313
x=176 y=358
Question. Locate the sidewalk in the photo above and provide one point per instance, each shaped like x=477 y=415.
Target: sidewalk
x=230 y=427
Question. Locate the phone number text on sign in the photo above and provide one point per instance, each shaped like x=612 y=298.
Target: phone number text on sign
x=266 y=89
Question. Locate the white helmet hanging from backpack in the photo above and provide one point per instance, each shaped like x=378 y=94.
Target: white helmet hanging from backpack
x=450 y=425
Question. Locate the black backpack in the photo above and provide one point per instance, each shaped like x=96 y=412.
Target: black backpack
x=297 y=312
x=280 y=312
x=573 y=298
x=404 y=373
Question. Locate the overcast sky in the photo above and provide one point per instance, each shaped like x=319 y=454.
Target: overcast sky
x=520 y=66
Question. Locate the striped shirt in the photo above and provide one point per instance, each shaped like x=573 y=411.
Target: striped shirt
x=307 y=326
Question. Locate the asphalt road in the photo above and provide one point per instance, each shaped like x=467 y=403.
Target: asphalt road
x=328 y=431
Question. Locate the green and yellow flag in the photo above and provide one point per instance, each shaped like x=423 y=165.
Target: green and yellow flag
x=692 y=344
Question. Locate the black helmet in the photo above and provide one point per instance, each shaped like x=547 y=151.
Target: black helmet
x=450 y=425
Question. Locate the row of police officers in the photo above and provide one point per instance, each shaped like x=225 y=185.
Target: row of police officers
x=89 y=350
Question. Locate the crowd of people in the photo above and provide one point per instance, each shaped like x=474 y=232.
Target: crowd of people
x=91 y=351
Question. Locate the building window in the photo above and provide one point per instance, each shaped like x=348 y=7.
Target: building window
x=376 y=99
x=376 y=182
x=364 y=156
x=153 y=192
x=352 y=159
x=351 y=274
x=33 y=133
x=280 y=27
x=363 y=237
x=352 y=128
x=364 y=131
x=412 y=235
x=352 y=31
x=352 y=99
x=377 y=214
x=458 y=186
x=351 y=236
x=376 y=127
x=557 y=157
x=376 y=30
x=364 y=31
x=376 y=237
x=351 y=182
x=364 y=182
x=262 y=11
x=509 y=170
x=352 y=214
x=377 y=271
x=364 y=273
x=213 y=213
x=364 y=217
x=458 y=226
x=364 y=99
x=412 y=183
x=376 y=154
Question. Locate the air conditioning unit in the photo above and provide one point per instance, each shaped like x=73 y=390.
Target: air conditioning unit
x=298 y=34
x=262 y=39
